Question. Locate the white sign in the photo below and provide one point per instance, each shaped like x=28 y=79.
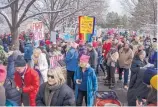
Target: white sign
x=38 y=30
x=53 y=37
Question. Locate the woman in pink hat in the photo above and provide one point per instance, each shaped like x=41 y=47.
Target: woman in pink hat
x=85 y=82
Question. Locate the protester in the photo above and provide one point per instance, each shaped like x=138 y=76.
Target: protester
x=55 y=92
x=112 y=58
x=28 y=51
x=93 y=61
x=39 y=62
x=11 y=61
x=12 y=94
x=3 y=74
x=125 y=61
x=147 y=45
x=71 y=60
x=85 y=82
x=27 y=81
x=100 y=58
x=152 y=96
x=138 y=62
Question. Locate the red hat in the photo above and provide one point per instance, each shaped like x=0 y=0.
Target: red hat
x=84 y=58
x=3 y=73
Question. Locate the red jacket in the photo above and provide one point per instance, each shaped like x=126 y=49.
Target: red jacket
x=106 y=48
x=31 y=84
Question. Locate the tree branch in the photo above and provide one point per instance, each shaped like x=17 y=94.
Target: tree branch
x=43 y=13
x=6 y=18
x=8 y=5
x=21 y=4
x=24 y=13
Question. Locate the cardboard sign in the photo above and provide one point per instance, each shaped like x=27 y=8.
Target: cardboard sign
x=54 y=60
x=38 y=30
x=53 y=37
x=86 y=24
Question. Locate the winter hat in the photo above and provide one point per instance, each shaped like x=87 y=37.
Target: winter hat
x=20 y=61
x=81 y=42
x=148 y=74
x=74 y=45
x=154 y=82
x=3 y=73
x=84 y=58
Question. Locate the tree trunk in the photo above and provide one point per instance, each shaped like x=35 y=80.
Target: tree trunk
x=15 y=38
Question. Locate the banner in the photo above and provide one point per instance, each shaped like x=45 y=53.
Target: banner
x=38 y=30
x=86 y=24
x=54 y=60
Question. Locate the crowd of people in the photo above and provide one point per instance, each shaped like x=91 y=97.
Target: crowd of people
x=27 y=77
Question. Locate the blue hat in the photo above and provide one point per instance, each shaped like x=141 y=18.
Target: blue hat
x=148 y=74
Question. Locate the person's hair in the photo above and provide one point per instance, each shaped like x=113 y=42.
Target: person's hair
x=152 y=96
x=141 y=53
x=58 y=74
x=37 y=50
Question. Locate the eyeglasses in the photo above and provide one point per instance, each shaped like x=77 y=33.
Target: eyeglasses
x=51 y=76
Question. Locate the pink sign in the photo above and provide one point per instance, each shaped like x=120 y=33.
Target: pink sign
x=54 y=60
x=38 y=30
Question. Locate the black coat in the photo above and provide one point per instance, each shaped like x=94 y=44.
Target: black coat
x=137 y=88
x=64 y=96
x=11 y=92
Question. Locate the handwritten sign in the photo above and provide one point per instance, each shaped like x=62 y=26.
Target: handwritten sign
x=86 y=24
x=38 y=30
x=54 y=60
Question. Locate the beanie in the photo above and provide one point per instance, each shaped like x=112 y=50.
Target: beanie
x=3 y=73
x=20 y=61
x=148 y=74
x=84 y=58
x=154 y=82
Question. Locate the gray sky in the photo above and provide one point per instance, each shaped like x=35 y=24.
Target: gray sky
x=114 y=5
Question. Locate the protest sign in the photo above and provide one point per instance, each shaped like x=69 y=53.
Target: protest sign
x=86 y=24
x=54 y=60
x=53 y=37
x=38 y=30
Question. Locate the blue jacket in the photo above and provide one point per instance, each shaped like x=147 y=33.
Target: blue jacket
x=92 y=84
x=28 y=51
x=71 y=59
x=153 y=58
x=10 y=67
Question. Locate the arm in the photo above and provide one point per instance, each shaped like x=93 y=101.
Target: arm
x=68 y=56
x=43 y=64
x=34 y=85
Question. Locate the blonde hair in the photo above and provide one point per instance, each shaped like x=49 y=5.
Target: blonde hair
x=58 y=74
x=37 y=50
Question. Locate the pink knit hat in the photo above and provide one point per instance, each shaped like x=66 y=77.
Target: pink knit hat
x=74 y=45
x=3 y=73
x=84 y=58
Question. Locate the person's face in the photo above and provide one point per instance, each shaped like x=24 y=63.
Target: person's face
x=83 y=64
x=20 y=69
x=51 y=80
x=36 y=55
x=142 y=56
x=126 y=46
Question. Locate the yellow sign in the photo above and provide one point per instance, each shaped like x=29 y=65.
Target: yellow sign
x=86 y=24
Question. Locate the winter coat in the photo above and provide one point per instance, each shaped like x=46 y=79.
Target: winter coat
x=93 y=61
x=125 y=58
x=153 y=57
x=71 y=59
x=82 y=51
x=112 y=57
x=92 y=84
x=42 y=64
x=137 y=88
x=106 y=48
x=28 y=51
x=64 y=96
x=21 y=46
x=31 y=84
x=99 y=51
x=11 y=92
x=2 y=96
x=136 y=64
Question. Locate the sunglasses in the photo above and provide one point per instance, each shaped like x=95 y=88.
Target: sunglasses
x=51 y=76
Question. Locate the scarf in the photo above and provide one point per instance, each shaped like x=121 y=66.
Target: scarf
x=49 y=92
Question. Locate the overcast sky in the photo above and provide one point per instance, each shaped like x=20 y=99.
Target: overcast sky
x=115 y=6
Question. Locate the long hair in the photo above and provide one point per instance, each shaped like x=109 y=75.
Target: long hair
x=152 y=96
x=58 y=74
